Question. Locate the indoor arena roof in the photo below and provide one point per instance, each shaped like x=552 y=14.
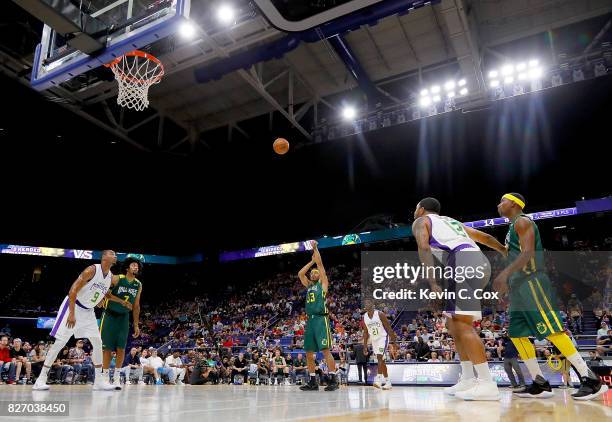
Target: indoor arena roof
x=390 y=58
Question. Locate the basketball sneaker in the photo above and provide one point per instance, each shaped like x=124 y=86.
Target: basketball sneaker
x=117 y=381
x=332 y=383
x=40 y=384
x=387 y=385
x=378 y=381
x=539 y=389
x=462 y=385
x=590 y=388
x=312 y=385
x=101 y=384
x=483 y=390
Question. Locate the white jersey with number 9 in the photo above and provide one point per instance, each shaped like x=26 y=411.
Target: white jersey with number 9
x=93 y=292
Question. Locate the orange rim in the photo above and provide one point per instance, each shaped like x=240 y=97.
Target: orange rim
x=138 y=53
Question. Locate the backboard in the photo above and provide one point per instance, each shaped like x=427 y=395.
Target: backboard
x=117 y=27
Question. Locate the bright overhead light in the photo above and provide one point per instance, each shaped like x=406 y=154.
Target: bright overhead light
x=449 y=86
x=507 y=70
x=187 y=29
x=226 y=14
x=536 y=73
x=494 y=83
x=451 y=94
x=522 y=76
x=349 y=113
x=425 y=101
x=521 y=66
x=509 y=80
x=435 y=89
x=424 y=93
x=461 y=82
x=493 y=74
x=463 y=91
x=437 y=99
x=533 y=63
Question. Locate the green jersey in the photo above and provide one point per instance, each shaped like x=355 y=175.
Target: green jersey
x=125 y=290
x=315 y=300
x=536 y=264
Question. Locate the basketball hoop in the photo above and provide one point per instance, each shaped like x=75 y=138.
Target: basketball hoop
x=135 y=72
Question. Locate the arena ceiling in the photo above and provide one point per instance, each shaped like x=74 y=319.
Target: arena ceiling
x=292 y=94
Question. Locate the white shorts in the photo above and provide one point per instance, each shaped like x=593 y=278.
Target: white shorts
x=86 y=325
x=379 y=345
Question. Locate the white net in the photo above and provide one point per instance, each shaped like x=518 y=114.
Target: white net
x=135 y=73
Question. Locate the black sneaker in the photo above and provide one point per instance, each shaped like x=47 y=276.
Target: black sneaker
x=332 y=383
x=311 y=385
x=539 y=389
x=590 y=388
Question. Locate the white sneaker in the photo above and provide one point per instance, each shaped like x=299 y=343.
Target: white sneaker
x=117 y=382
x=462 y=385
x=179 y=382
x=40 y=385
x=387 y=385
x=482 y=391
x=104 y=385
x=378 y=382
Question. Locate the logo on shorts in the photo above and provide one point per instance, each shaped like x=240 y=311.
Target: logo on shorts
x=541 y=327
x=324 y=342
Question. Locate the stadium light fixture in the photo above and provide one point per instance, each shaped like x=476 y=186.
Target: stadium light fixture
x=349 y=113
x=508 y=80
x=425 y=102
x=508 y=69
x=187 y=30
x=435 y=89
x=449 y=86
x=494 y=83
x=437 y=99
x=493 y=74
x=226 y=14
x=462 y=82
x=464 y=91
x=424 y=92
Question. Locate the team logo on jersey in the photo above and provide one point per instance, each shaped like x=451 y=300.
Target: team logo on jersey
x=324 y=342
x=541 y=327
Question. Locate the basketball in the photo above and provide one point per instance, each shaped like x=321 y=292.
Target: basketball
x=280 y=146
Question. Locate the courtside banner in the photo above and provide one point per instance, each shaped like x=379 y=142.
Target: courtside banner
x=447 y=373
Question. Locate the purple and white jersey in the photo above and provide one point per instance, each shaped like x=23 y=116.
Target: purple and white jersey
x=448 y=234
x=93 y=292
